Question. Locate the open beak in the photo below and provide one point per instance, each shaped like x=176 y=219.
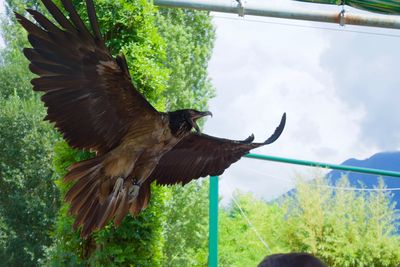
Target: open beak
x=198 y=116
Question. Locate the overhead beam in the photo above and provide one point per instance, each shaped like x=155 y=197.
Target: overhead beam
x=262 y=8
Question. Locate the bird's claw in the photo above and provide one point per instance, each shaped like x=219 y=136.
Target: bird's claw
x=133 y=192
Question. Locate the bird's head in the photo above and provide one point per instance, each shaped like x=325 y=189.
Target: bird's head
x=185 y=119
x=193 y=115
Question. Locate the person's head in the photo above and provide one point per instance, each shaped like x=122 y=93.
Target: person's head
x=295 y=259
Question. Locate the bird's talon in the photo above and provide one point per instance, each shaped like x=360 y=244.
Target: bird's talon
x=133 y=192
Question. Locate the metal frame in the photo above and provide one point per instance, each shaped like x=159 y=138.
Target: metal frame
x=262 y=8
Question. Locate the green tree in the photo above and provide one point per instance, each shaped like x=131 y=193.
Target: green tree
x=29 y=199
x=159 y=64
x=128 y=27
x=345 y=228
x=131 y=28
x=342 y=227
x=14 y=73
x=186 y=225
x=239 y=244
x=189 y=37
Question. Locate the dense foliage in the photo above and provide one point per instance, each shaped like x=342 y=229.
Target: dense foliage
x=342 y=227
x=186 y=225
x=129 y=27
x=28 y=197
x=168 y=51
x=29 y=200
x=189 y=35
x=345 y=228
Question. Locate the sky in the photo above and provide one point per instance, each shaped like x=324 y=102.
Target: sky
x=338 y=88
x=1 y=13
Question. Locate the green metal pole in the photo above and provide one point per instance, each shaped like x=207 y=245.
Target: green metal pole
x=324 y=165
x=213 y=223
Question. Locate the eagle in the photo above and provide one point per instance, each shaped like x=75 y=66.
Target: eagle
x=92 y=101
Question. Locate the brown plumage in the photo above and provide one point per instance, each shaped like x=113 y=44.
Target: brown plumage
x=91 y=100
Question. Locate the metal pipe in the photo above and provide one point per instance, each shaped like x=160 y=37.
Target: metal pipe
x=324 y=165
x=261 y=8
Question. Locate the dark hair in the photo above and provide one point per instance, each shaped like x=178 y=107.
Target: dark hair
x=294 y=259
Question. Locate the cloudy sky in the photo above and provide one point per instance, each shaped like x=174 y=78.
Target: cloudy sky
x=338 y=88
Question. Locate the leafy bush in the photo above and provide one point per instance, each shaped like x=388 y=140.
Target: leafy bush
x=185 y=225
x=345 y=228
x=130 y=27
x=29 y=199
x=171 y=74
x=342 y=227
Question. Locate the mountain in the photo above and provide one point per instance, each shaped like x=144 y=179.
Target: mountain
x=389 y=161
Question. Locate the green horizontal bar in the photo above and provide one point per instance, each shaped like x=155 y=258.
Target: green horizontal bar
x=324 y=165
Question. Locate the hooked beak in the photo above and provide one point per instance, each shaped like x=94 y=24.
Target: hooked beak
x=202 y=114
x=198 y=116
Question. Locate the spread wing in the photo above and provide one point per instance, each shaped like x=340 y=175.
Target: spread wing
x=200 y=155
x=88 y=94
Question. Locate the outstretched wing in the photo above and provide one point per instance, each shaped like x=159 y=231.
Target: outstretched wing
x=199 y=155
x=88 y=94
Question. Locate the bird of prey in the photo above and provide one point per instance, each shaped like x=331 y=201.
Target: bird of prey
x=93 y=103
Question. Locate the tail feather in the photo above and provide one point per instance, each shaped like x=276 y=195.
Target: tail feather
x=81 y=199
x=95 y=199
x=80 y=217
x=111 y=205
x=90 y=222
x=81 y=169
x=77 y=174
x=122 y=209
x=105 y=189
x=82 y=186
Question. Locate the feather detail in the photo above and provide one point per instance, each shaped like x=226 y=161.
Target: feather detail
x=123 y=208
x=93 y=19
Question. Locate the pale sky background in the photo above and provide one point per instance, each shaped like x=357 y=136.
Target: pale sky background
x=339 y=90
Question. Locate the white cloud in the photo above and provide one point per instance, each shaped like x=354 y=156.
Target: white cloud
x=261 y=70
x=369 y=79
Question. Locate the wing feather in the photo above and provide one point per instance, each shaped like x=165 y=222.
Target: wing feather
x=58 y=15
x=200 y=155
x=93 y=20
x=88 y=94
